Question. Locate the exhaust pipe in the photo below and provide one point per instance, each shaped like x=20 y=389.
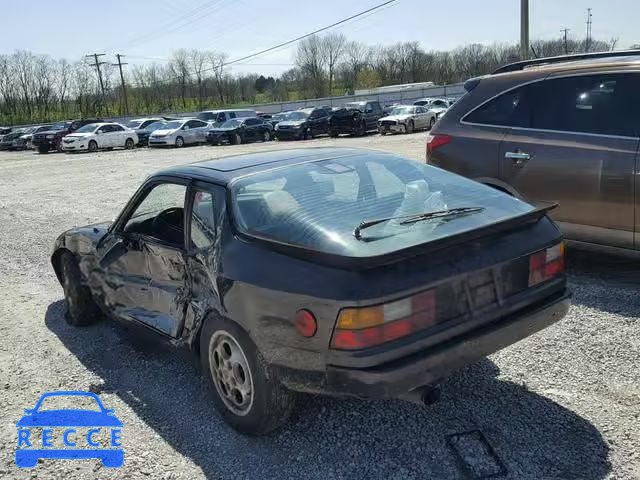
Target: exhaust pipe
x=427 y=395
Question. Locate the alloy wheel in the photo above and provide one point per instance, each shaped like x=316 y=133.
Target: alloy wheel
x=231 y=373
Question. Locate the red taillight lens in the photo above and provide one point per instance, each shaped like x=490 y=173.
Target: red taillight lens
x=306 y=323
x=359 y=328
x=436 y=141
x=546 y=264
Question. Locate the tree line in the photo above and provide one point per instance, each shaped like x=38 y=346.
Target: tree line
x=37 y=88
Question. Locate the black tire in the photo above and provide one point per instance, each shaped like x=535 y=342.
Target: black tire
x=271 y=403
x=42 y=149
x=93 y=146
x=81 y=308
x=179 y=142
x=410 y=127
x=59 y=146
x=333 y=134
x=307 y=134
x=362 y=131
x=267 y=136
x=432 y=122
x=237 y=139
x=129 y=144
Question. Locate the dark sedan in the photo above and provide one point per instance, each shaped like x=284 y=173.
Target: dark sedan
x=303 y=124
x=336 y=271
x=146 y=128
x=240 y=130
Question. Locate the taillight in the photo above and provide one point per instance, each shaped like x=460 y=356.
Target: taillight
x=436 y=141
x=546 y=264
x=358 y=328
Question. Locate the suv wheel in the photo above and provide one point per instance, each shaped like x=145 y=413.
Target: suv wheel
x=245 y=391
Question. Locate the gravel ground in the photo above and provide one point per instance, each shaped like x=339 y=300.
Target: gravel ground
x=564 y=403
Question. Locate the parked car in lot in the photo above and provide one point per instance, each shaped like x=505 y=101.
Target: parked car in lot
x=6 y=141
x=48 y=140
x=565 y=131
x=256 y=263
x=407 y=119
x=221 y=116
x=24 y=141
x=240 y=130
x=355 y=118
x=178 y=133
x=303 y=124
x=142 y=123
x=145 y=128
x=98 y=136
x=278 y=117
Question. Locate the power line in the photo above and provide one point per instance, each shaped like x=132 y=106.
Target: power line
x=566 y=47
x=589 y=22
x=302 y=37
x=97 y=65
x=124 y=88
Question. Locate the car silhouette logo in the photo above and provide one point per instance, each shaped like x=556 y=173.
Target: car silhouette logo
x=69 y=420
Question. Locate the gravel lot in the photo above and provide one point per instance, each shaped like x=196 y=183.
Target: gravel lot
x=564 y=403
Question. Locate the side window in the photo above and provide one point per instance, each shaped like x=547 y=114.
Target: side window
x=221 y=117
x=160 y=214
x=368 y=108
x=103 y=129
x=116 y=128
x=199 y=123
x=203 y=231
x=509 y=109
x=602 y=104
x=232 y=114
x=385 y=183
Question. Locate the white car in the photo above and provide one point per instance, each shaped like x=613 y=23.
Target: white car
x=95 y=136
x=178 y=133
x=407 y=119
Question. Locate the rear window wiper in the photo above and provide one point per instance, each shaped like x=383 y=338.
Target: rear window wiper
x=410 y=219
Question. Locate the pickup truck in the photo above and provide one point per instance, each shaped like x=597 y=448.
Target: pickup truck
x=51 y=139
x=355 y=118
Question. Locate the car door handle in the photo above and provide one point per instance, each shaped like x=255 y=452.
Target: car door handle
x=519 y=158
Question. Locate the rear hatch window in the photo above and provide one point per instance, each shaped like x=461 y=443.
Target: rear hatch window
x=318 y=205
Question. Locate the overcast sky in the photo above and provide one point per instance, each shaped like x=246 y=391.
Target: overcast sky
x=148 y=29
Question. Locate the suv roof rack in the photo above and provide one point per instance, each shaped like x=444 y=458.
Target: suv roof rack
x=514 y=67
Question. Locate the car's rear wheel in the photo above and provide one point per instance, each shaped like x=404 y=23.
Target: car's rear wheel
x=81 y=308
x=179 y=142
x=432 y=122
x=93 y=146
x=245 y=391
x=43 y=149
x=129 y=144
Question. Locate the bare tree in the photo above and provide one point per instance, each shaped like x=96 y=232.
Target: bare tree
x=333 y=46
x=310 y=59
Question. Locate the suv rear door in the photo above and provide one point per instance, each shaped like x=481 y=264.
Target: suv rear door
x=577 y=146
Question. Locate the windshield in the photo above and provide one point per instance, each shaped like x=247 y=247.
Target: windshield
x=280 y=116
x=233 y=123
x=172 y=125
x=206 y=116
x=318 y=205
x=87 y=128
x=134 y=123
x=403 y=111
x=155 y=126
x=61 y=126
x=298 y=115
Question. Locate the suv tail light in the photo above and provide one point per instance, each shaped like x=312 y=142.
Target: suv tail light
x=436 y=141
x=546 y=264
x=358 y=328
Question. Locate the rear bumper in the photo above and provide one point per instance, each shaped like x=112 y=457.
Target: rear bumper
x=288 y=134
x=427 y=366
x=342 y=128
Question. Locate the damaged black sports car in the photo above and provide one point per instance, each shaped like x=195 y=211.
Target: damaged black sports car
x=334 y=271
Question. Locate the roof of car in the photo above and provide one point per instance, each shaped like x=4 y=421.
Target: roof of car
x=226 y=169
x=569 y=64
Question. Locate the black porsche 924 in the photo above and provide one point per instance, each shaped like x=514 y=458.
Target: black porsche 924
x=335 y=271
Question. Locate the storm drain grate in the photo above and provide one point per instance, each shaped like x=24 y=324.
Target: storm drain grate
x=476 y=455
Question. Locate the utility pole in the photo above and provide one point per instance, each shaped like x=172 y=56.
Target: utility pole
x=97 y=65
x=566 y=48
x=588 y=40
x=524 y=29
x=124 y=88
